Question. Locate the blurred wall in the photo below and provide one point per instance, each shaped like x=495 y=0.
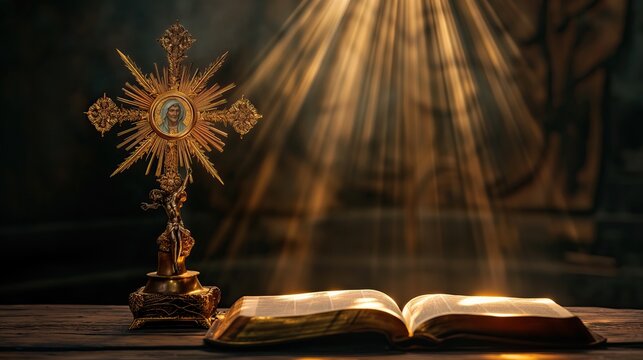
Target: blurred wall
x=73 y=235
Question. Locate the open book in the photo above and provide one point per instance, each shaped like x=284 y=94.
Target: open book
x=426 y=320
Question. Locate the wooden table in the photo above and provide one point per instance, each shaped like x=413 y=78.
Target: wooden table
x=100 y=332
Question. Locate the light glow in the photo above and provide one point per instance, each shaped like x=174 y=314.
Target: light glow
x=417 y=101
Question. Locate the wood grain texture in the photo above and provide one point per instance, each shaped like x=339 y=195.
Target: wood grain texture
x=100 y=332
x=619 y=326
x=83 y=327
x=626 y=354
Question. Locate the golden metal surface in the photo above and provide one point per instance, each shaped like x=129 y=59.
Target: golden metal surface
x=197 y=308
x=186 y=283
x=198 y=103
x=173 y=117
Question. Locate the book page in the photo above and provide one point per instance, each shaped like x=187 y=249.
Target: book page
x=425 y=307
x=317 y=302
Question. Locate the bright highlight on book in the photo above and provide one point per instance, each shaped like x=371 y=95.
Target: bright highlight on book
x=478 y=300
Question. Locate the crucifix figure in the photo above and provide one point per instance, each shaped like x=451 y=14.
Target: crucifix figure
x=173 y=113
x=176 y=239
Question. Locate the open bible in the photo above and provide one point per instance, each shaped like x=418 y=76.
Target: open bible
x=425 y=321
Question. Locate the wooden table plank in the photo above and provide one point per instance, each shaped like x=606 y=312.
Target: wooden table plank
x=97 y=332
x=53 y=327
x=620 y=326
x=626 y=354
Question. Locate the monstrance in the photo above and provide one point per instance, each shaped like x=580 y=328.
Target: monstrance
x=173 y=115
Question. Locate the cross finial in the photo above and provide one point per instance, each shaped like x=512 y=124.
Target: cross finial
x=176 y=41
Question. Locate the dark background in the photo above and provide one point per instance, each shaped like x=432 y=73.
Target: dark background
x=71 y=234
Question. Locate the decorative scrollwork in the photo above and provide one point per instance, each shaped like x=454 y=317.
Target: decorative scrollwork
x=104 y=114
x=243 y=116
x=198 y=307
x=176 y=41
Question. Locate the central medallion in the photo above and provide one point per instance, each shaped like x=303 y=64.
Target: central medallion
x=172 y=115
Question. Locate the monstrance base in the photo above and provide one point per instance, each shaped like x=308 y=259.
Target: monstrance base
x=196 y=307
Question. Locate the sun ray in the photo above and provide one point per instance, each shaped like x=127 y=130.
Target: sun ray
x=129 y=102
x=212 y=139
x=127 y=131
x=142 y=94
x=184 y=80
x=134 y=101
x=202 y=141
x=184 y=152
x=161 y=157
x=137 y=137
x=204 y=136
x=156 y=149
x=140 y=151
x=138 y=97
x=198 y=153
x=206 y=100
x=217 y=131
x=158 y=81
x=212 y=133
x=200 y=82
x=138 y=74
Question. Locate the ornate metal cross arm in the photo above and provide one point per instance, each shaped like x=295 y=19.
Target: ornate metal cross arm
x=242 y=116
x=104 y=114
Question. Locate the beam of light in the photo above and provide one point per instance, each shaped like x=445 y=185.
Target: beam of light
x=287 y=72
x=421 y=102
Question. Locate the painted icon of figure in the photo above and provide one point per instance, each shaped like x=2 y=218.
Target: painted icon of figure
x=172 y=114
x=176 y=239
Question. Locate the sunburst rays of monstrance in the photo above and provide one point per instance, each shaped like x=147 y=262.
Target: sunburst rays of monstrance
x=173 y=115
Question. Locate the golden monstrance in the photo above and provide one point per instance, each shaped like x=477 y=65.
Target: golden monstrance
x=173 y=115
